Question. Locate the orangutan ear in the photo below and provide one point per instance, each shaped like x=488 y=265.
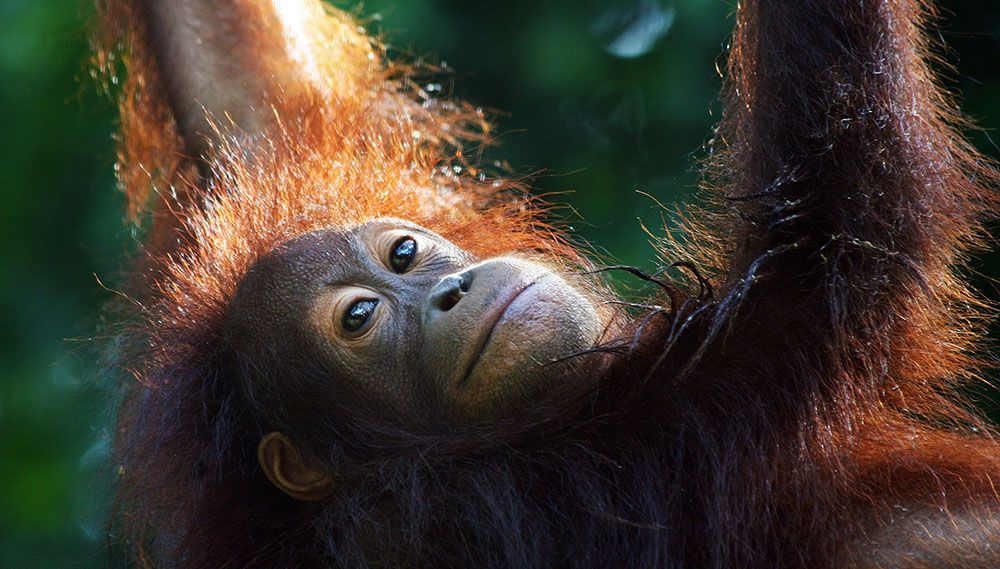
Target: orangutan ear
x=285 y=468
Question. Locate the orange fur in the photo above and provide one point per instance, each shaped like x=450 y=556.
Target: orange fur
x=815 y=393
x=338 y=157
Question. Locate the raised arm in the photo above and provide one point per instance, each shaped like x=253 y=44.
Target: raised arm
x=240 y=63
x=231 y=61
x=845 y=201
x=202 y=78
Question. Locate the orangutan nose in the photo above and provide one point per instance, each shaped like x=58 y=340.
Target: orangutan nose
x=447 y=293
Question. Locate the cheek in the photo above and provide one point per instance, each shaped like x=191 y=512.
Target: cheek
x=543 y=326
x=381 y=365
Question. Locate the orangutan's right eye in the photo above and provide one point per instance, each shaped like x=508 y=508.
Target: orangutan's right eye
x=358 y=314
x=403 y=252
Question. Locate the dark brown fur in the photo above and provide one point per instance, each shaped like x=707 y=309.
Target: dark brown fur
x=801 y=415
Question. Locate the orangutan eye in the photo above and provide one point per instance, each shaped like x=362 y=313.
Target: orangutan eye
x=358 y=314
x=402 y=254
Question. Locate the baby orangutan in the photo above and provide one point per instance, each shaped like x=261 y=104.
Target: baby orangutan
x=354 y=348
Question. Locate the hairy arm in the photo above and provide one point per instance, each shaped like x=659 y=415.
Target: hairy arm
x=246 y=62
x=846 y=199
x=203 y=78
x=201 y=51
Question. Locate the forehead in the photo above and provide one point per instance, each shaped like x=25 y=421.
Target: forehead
x=316 y=255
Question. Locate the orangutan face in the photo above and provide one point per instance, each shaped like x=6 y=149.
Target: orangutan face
x=400 y=312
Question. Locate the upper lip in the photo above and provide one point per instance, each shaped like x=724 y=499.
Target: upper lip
x=484 y=338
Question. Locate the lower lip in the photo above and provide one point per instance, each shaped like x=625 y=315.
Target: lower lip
x=489 y=334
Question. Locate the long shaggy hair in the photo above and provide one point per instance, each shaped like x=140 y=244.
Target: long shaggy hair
x=772 y=407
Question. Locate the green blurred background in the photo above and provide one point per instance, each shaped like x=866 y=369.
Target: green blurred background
x=599 y=97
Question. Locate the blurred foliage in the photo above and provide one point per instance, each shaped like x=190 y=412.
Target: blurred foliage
x=601 y=97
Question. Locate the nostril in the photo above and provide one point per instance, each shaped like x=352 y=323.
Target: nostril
x=447 y=293
x=450 y=300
